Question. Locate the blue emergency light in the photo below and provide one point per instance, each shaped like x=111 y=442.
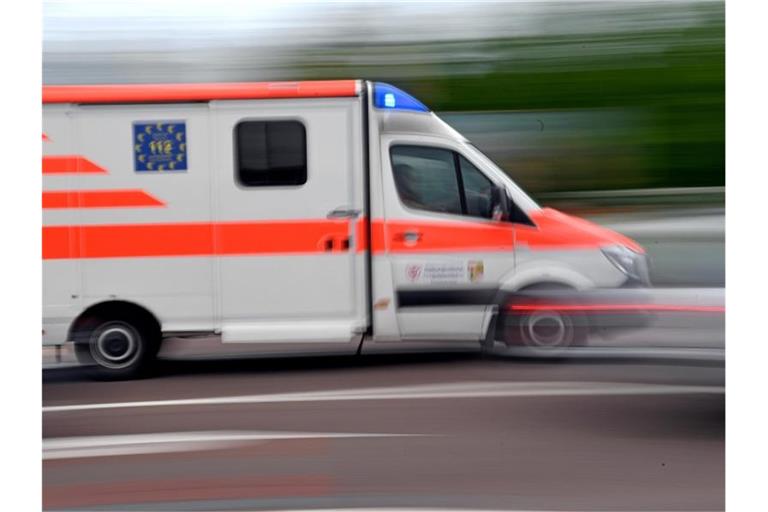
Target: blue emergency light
x=387 y=96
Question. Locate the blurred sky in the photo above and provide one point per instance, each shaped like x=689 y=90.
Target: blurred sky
x=100 y=25
x=633 y=90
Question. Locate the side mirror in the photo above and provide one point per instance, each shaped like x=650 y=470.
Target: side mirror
x=501 y=206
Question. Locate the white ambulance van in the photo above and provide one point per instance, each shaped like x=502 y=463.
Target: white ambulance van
x=298 y=217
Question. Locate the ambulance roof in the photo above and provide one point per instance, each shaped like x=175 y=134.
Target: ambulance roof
x=166 y=93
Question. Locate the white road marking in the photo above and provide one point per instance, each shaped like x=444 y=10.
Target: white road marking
x=593 y=352
x=167 y=442
x=690 y=354
x=447 y=390
x=426 y=509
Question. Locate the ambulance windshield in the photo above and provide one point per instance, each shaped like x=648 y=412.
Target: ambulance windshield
x=519 y=196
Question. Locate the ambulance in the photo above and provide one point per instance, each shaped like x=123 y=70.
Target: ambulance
x=320 y=217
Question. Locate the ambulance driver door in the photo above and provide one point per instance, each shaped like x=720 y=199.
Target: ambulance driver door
x=447 y=254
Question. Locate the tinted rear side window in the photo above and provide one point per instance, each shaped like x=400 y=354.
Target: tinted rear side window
x=271 y=153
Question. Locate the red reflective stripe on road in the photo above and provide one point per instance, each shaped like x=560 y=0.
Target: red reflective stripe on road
x=125 y=491
x=70 y=164
x=99 y=199
x=154 y=93
x=615 y=307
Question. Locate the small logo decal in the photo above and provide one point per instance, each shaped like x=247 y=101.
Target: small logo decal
x=475 y=270
x=413 y=272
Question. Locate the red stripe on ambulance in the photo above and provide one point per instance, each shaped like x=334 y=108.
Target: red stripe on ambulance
x=98 y=199
x=70 y=164
x=195 y=239
x=163 y=93
x=296 y=237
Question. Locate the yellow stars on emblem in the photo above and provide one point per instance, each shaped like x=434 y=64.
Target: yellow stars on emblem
x=160 y=146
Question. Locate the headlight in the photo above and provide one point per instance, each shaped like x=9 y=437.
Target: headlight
x=626 y=260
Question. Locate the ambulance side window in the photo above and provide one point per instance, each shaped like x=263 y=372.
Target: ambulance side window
x=477 y=190
x=426 y=178
x=440 y=180
x=271 y=153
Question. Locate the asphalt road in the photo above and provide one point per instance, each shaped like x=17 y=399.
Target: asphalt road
x=450 y=431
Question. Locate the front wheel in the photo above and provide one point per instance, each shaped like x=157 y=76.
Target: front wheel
x=544 y=332
x=115 y=349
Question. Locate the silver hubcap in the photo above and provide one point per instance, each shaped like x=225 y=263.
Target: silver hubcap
x=115 y=346
x=547 y=329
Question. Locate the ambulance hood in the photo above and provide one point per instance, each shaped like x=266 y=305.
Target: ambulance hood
x=555 y=228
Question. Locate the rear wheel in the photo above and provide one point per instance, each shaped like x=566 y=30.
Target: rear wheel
x=116 y=348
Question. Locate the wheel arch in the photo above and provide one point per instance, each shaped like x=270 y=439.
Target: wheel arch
x=532 y=282
x=115 y=309
x=550 y=275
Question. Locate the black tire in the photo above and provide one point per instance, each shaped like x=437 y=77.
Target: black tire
x=545 y=332
x=117 y=348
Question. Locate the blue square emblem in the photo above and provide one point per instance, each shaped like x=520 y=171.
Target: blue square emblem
x=159 y=146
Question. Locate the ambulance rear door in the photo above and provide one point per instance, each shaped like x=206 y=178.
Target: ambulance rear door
x=288 y=205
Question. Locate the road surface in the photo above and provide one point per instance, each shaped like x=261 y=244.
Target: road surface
x=420 y=431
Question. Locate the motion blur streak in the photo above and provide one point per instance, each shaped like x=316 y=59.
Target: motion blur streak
x=453 y=390
x=616 y=307
x=167 y=442
x=613 y=111
x=569 y=95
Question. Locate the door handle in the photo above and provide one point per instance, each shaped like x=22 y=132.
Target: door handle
x=343 y=213
x=410 y=237
x=334 y=243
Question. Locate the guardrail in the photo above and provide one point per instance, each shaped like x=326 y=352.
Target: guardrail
x=636 y=199
x=632 y=193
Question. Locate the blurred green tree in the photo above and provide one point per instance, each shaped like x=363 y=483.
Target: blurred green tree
x=673 y=74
